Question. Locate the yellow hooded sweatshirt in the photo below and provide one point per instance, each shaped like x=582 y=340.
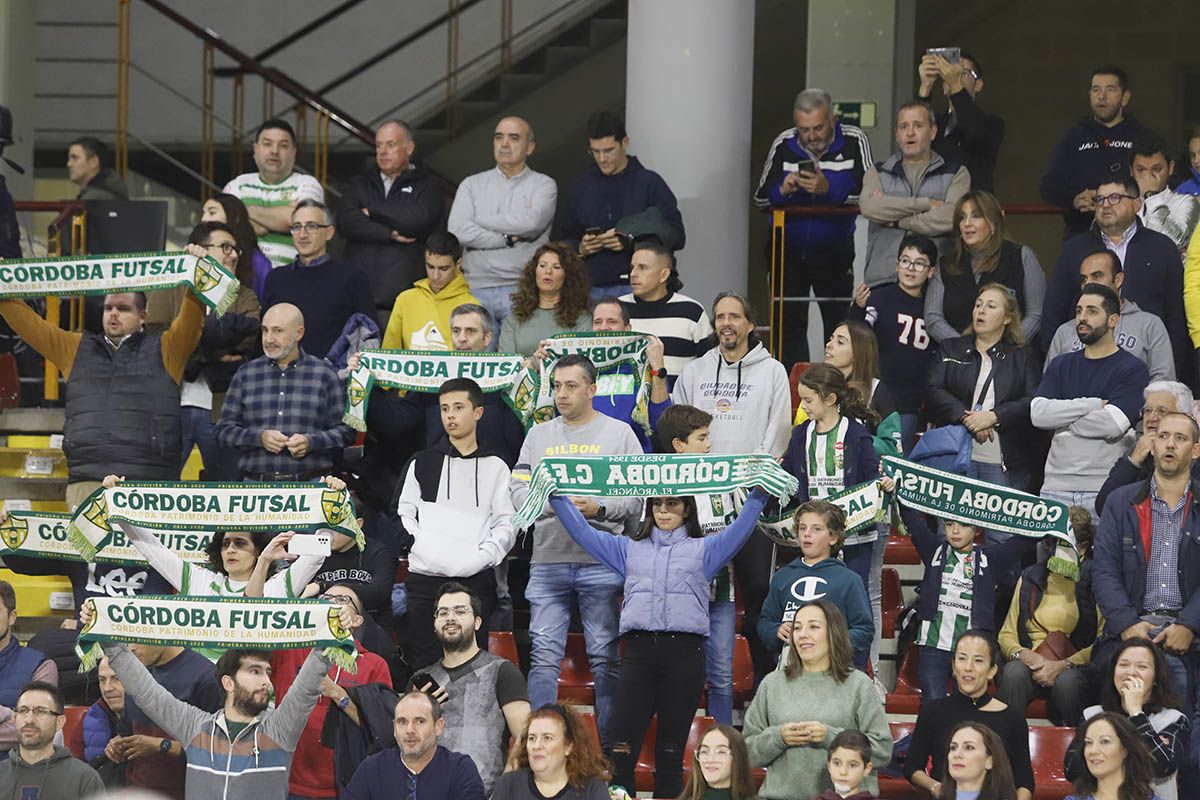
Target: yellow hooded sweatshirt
x=420 y=319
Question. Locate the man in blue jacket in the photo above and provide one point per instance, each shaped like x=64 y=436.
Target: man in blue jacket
x=820 y=162
x=614 y=204
x=1145 y=525
x=1150 y=262
x=1099 y=146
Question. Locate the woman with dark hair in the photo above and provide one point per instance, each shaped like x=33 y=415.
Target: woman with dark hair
x=225 y=344
x=551 y=297
x=799 y=710
x=720 y=768
x=977 y=766
x=1117 y=765
x=975 y=659
x=556 y=756
x=982 y=255
x=984 y=381
x=1136 y=687
x=853 y=349
x=667 y=567
x=252 y=267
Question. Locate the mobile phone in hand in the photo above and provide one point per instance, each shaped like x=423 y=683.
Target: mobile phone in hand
x=593 y=231
x=422 y=678
x=951 y=54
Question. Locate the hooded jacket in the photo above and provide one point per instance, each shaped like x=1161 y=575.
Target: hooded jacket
x=254 y=764
x=829 y=578
x=1137 y=331
x=474 y=484
x=749 y=399
x=420 y=319
x=596 y=200
x=1192 y=184
x=1086 y=154
x=412 y=207
x=59 y=776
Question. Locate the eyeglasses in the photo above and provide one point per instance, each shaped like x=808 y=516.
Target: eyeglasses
x=225 y=247
x=457 y=611
x=1112 y=199
x=716 y=752
x=904 y=262
x=1158 y=412
x=342 y=600
x=236 y=544
x=307 y=227
x=40 y=711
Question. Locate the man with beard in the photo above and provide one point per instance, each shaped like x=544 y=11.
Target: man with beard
x=416 y=759
x=244 y=750
x=483 y=696
x=37 y=767
x=1091 y=399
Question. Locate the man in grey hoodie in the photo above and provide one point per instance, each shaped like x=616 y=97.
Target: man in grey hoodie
x=245 y=749
x=38 y=768
x=1138 y=331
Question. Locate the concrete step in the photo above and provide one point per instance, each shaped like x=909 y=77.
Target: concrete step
x=32 y=420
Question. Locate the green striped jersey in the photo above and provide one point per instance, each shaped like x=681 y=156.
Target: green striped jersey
x=254 y=191
x=953 y=615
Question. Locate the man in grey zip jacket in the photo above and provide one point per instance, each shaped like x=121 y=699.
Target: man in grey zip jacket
x=245 y=749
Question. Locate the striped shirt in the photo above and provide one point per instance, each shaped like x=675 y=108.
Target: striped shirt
x=254 y=191
x=679 y=321
x=1162 y=566
x=954 y=602
x=826 y=459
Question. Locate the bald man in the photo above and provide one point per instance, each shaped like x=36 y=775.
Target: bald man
x=502 y=216
x=386 y=215
x=283 y=412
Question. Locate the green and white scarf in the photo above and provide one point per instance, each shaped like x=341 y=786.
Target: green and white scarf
x=215 y=623
x=43 y=534
x=863 y=505
x=607 y=350
x=210 y=507
x=650 y=476
x=427 y=370
x=987 y=505
x=126 y=272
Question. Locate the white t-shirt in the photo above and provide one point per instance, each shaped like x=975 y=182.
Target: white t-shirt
x=254 y=191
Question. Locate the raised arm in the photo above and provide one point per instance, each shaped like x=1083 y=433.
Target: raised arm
x=52 y=342
x=177 y=718
x=721 y=547
x=164 y=561
x=287 y=721
x=609 y=549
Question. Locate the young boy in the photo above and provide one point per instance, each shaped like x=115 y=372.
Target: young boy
x=897 y=314
x=849 y=762
x=819 y=526
x=684 y=429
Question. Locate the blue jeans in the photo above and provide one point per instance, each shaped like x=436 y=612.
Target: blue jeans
x=616 y=290
x=1085 y=499
x=552 y=589
x=933 y=672
x=718 y=658
x=908 y=431
x=197 y=427
x=867 y=563
x=498 y=300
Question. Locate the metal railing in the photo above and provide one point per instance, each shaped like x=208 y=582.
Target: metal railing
x=779 y=218
x=71 y=216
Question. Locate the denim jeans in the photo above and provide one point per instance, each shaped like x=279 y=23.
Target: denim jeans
x=866 y=560
x=933 y=672
x=197 y=427
x=616 y=290
x=1085 y=499
x=552 y=589
x=718 y=658
x=498 y=300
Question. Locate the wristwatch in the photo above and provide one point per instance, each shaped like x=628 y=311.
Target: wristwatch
x=661 y=372
x=510 y=240
x=1017 y=653
x=344 y=703
x=164 y=746
x=601 y=512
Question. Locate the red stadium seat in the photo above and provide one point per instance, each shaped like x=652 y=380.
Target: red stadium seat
x=589 y=722
x=893 y=601
x=644 y=771
x=900 y=550
x=503 y=644
x=906 y=699
x=575 y=681
x=794 y=374
x=743 y=672
x=73 y=730
x=10 y=382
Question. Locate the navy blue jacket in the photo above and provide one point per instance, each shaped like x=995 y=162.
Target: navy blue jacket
x=596 y=200
x=1120 y=553
x=449 y=776
x=1153 y=280
x=860 y=462
x=933 y=554
x=1125 y=472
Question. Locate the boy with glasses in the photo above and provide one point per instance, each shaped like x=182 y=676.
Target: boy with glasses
x=38 y=764
x=896 y=312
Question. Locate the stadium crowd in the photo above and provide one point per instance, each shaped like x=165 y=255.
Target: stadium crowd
x=1074 y=384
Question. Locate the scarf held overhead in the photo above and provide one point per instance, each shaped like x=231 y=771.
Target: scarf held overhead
x=215 y=622
x=210 y=507
x=862 y=504
x=427 y=370
x=608 y=351
x=125 y=272
x=651 y=476
x=43 y=534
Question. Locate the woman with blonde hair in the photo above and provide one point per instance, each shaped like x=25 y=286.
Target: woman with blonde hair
x=551 y=297
x=982 y=254
x=556 y=756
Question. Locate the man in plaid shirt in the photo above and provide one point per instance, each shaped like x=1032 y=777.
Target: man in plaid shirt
x=283 y=411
